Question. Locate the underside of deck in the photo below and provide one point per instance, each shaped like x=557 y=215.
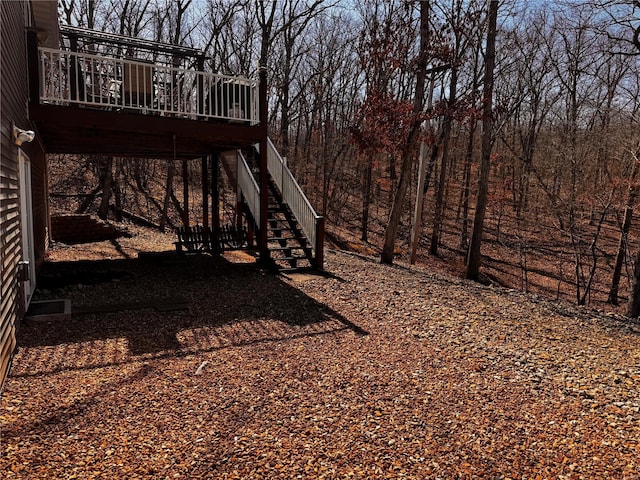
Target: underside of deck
x=77 y=130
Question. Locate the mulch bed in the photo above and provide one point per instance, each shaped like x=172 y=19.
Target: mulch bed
x=370 y=372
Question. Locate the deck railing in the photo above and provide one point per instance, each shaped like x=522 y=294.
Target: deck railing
x=107 y=82
x=248 y=187
x=311 y=223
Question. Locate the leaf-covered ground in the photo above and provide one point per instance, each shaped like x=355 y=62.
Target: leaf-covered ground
x=369 y=372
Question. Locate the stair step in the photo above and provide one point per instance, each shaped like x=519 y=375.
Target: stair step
x=284 y=239
x=290 y=269
x=282 y=220
x=283 y=249
x=297 y=247
x=289 y=259
x=296 y=267
x=287 y=229
x=277 y=211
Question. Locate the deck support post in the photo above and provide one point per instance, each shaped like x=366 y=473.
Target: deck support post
x=240 y=210
x=185 y=192
x=215 y=203
x=205 y=194
x=265 y=258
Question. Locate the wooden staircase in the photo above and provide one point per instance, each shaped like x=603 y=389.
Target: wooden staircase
x=288 y=246
x=295 y=232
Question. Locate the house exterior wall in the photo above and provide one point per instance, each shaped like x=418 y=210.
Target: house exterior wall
x=14 y=109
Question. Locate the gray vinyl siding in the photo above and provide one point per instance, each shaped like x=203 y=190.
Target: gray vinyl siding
x=13 y=107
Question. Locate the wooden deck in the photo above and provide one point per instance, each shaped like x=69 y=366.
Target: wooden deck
x=202 y=114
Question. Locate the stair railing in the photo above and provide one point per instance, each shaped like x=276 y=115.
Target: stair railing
x=311 y=223
x=248 y=188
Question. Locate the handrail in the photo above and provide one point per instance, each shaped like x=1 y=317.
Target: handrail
x=311 y=223
x=248 y=187
x=94 y=80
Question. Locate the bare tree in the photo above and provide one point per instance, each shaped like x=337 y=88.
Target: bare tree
x=462 y=19
x=474 y=259
x=409 y=149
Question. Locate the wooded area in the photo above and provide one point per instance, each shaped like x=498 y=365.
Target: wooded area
x=378 y=103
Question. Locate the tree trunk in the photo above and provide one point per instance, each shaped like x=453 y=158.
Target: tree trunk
x=444 y=158
x=473 y=261
x=117 y=190
x=393 y=176
x=265 y=20
x=107 y=180
x=431 y=166
x=464 y=236
x=622 y=246
x=177 y=206
x=408 y=152
x=88 y=199
x=473 y=124
x=633 y=309
x=417 y=214
x=366 y=201
x=167 y=196
x=284 y=100
x=423 y=182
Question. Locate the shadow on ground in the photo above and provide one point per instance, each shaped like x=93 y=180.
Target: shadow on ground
x=161 y=306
